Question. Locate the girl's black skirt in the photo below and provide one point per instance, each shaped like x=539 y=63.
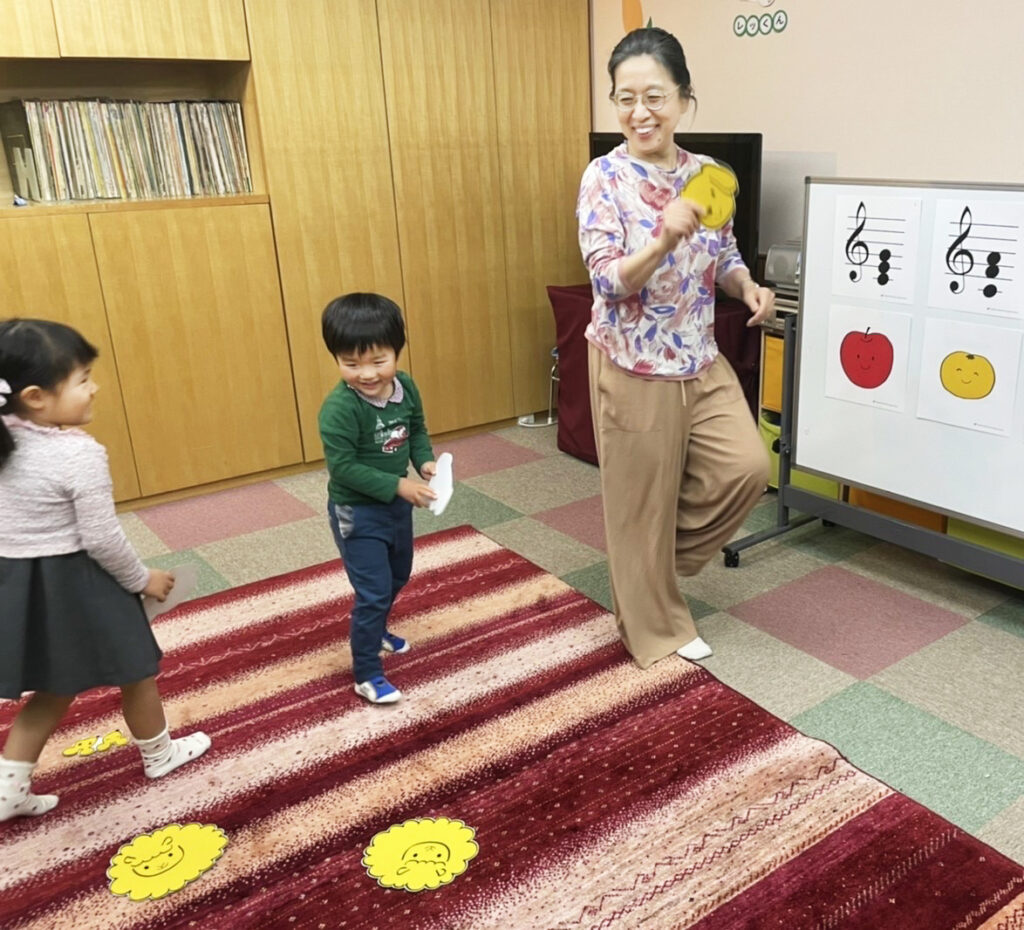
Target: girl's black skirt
x=66 y=625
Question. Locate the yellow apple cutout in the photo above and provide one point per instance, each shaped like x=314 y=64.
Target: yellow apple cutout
x=968 y=376
x=714 y=187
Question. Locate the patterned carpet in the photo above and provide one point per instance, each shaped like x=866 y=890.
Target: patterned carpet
x=601 y=796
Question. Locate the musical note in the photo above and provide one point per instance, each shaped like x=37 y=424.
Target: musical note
x=857 y=251
x=883 y=267
x=958 y=259
x=992 y=271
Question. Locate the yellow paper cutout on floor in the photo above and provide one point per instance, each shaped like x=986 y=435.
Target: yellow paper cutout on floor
x=154 y=865
x=419 y=854
x=714 y=187
x=86 y=747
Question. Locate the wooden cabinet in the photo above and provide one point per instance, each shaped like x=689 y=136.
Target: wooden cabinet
x=194 y=307
x=27 y=29
x=429 y=150
x=328 y=168
x=48 y=270
x=543 y=108
x=442 y=120
x=205 y=29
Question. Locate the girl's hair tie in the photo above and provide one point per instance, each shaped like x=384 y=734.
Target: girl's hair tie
x=5 y=389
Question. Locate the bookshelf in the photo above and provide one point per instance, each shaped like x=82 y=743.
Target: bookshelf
x=139 y=80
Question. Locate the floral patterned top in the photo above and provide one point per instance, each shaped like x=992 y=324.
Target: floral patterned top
x=666 y=328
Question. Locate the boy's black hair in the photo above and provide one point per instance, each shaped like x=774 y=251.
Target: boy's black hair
x=357 y=322
x=40 y=353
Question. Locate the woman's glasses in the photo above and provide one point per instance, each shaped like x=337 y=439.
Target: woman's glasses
x=652 y=100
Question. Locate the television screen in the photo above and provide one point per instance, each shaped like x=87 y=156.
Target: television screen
x=741 y=151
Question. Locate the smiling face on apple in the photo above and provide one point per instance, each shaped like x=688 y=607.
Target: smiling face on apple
x=866 y=358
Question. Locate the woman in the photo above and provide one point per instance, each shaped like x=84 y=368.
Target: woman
x=682 y=463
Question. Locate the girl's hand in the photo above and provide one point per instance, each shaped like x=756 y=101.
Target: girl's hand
x=159 y=584
x=419 y=495
x=679 y=221
x=429 y=469
x=761 y=301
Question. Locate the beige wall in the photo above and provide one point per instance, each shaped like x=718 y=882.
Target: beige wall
x=870 y=89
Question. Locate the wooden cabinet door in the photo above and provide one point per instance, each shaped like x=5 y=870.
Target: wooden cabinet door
x=195 y=314
x=27 y=29
x=48 y=271
x=204 y=29
x=328 y=167
x=439 y=79
x=542 y=86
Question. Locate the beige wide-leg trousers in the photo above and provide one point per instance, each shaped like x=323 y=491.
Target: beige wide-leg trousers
x=681 y=464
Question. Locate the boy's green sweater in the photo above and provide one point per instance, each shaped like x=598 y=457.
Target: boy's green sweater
x=368 y=448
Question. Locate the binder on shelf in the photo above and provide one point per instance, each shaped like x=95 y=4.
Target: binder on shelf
x=20 y=149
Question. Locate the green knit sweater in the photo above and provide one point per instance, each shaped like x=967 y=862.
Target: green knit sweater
x=368 y=448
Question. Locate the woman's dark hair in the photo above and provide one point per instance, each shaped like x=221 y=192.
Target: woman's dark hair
x=40 y=353
x=662 y=46
x=357 y=322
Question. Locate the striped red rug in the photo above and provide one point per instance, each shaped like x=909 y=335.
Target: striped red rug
x=601 y=796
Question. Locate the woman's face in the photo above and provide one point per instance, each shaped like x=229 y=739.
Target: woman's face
x=649 y=132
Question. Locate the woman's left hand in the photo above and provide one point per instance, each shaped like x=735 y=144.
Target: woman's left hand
x=761 y=301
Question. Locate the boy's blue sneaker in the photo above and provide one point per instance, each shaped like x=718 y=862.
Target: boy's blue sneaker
x=378 y=691
x=392 y=643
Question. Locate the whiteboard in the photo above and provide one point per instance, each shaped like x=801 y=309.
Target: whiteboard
x=910 y=377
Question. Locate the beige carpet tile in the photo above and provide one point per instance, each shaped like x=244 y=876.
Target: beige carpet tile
x=147 y=544
x=782 y=679
x=541 y=485
x=551 y=550
x=967 y=679
x=762 y=568
x=270 y=552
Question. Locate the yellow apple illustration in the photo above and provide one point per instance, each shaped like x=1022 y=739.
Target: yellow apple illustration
x=968 y=376
x=714 y=187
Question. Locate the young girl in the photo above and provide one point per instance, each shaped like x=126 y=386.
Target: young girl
x=70 y=613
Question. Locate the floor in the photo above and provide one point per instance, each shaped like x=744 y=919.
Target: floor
x=912 y=669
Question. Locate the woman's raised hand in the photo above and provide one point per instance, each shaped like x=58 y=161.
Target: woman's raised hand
x=680 y=220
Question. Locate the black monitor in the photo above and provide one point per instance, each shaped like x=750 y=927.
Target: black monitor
x=741 y=151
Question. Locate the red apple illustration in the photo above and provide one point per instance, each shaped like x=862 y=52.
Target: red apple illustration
x=866 y=358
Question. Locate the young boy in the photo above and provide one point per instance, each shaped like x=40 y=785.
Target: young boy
x=371 y=425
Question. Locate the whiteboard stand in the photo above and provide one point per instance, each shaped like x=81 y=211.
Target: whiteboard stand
x=957 y=552
x=783 y=522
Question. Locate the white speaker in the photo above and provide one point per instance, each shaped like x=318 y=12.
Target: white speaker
x=782 y=264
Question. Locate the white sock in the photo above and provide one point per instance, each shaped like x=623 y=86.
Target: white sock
x=161 y=754
x=16 y=800
x=695 y=650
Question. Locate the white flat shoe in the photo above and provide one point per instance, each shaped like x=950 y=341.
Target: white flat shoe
x=695 y=650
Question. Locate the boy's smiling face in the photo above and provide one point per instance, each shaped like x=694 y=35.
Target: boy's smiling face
x=371 y=373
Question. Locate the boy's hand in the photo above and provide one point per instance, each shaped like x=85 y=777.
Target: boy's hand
x=429 y=469
x=159 y=584
x=419 y=495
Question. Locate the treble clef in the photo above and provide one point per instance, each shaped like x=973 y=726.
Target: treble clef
x=958 y=259
x=857 y=252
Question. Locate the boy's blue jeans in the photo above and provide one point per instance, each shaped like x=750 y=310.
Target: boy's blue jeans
x=375 y=542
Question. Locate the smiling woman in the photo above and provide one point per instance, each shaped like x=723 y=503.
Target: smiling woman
x=681 y=460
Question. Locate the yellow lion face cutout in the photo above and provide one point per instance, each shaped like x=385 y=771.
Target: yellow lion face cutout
x=153 y=865
x=714 y=187
x=421 y=853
